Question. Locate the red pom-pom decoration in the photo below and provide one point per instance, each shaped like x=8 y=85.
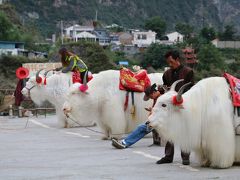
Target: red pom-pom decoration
x=39 y=80
x=175 y=102
x=83 y=88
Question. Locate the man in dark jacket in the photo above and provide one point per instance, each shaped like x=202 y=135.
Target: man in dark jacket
x=175 y=72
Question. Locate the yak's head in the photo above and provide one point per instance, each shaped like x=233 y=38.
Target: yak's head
x=83 y=106
x=77 y=102
x=167 y=107
x=34 y=87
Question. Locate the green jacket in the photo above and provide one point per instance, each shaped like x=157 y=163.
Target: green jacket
x=74 y=62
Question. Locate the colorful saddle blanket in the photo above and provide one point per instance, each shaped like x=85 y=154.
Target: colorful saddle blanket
x=131 y=81
x=234 y=88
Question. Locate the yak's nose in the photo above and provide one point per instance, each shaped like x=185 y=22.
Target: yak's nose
x=66 y=110
x=23 y=91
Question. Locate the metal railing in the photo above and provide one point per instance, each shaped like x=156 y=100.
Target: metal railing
x=20 y=111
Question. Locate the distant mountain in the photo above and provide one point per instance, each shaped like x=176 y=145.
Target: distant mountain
x=47 y=14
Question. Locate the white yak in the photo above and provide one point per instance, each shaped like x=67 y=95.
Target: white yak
x=104 y=104
x=203 y=122
x=55 y=92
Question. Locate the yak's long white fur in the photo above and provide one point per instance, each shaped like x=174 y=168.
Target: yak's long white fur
x=203 y=124
x=55 y=92
x=104 y=104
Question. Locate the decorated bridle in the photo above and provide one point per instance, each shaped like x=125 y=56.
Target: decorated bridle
x=38 y=80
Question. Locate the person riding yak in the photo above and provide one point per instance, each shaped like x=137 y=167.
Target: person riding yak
x=72 y=62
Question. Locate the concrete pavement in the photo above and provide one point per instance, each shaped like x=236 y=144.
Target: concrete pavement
x=43 y=151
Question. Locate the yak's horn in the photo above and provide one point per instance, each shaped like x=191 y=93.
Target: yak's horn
x=165 y=88
x=85 y=78
x=45 y=74
x=174 y=84
x=38 y=78
x=181 y=90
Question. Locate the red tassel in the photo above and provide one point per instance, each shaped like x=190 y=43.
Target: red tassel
x=45 y=81
x=126 y=103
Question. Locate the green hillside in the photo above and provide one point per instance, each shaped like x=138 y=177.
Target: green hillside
x=47 y=15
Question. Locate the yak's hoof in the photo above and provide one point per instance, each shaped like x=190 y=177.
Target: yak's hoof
x=206 y=163
x=105 y=138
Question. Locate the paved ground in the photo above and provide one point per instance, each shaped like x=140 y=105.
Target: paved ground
x=42 y=151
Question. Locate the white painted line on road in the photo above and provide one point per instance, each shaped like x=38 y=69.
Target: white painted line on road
x=147 y=155
x=186 y=167
x=45 y=126
x=157 y=158
x=77 y=134
x=40 y=124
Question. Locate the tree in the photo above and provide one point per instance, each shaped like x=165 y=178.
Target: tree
x=210 y=59
x=91 y=53
x=208 y=33
x=8 y=32
x=157 y=25
x=228 y=34
x=184 y=29
x=154 y=56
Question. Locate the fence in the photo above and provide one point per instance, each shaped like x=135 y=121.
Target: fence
x=21 y=112
x=8 y=106
x=227 y=44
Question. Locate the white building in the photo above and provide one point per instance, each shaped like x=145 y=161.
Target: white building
x=85 y=36
x=72 y=31
x=143 y=39
x=226 y=44
x=89 y=33
x=3 y=1
x=175 y=37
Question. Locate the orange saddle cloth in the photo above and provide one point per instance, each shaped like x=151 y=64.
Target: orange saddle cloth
x=131 y=81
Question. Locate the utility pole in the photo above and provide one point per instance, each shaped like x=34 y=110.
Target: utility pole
x=62 y=31
x=74 y=32
x=96 y=15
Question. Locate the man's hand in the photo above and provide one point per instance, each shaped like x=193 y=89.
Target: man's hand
x=162 y=89
x=58 y=69
x=147 y=122
x=148 y=109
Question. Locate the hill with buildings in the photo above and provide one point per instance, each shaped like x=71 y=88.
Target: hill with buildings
x=47 y=15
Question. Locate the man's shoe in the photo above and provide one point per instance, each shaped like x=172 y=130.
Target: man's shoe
x=117 y=144
x=164 y=160
x=186 y=162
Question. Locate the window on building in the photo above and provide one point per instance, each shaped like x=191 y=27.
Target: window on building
x=144 y=36
x=128 y=48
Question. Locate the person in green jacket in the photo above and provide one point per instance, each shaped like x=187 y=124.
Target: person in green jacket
x=72 y=62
